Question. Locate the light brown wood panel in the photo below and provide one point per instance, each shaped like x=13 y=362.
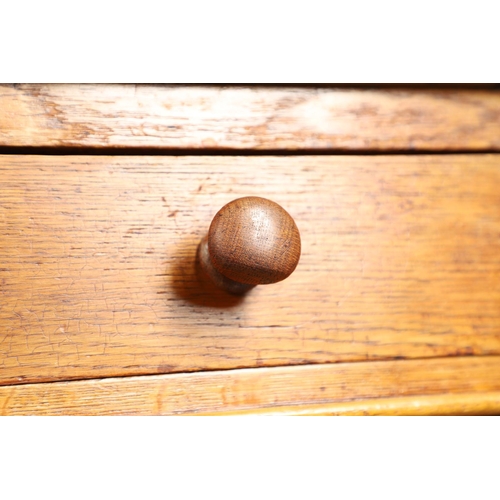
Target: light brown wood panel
x=480 y=403
x=400 y=259
x=204 y=117
x=433 y=386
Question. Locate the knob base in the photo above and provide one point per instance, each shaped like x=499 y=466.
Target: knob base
x=229 y=285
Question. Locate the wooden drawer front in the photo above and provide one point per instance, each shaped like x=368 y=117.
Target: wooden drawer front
x=401 y=259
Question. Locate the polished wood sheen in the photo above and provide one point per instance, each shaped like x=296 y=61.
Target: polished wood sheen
x=479 y=403
x=179 y=117
x=407 y=387
x=254 y=241
x=400 y=259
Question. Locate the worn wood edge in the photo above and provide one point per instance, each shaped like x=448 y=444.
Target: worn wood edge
x=442 y=405
x=464 y=385
x=248 y=118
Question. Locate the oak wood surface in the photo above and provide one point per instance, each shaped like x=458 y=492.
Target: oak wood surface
x=211 y=117
x=433 y=386
x=400 y=259
x=478 y=403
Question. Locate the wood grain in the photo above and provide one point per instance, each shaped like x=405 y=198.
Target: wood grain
x=204 y=117
x=434 y=386
x=400 y=259
x=481 y=403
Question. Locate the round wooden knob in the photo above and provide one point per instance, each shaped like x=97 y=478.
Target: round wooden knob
x=252 y=241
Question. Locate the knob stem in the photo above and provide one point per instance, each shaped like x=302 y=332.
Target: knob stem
x=229 y=285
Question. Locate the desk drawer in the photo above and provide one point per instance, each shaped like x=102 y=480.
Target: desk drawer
x=400 y=260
